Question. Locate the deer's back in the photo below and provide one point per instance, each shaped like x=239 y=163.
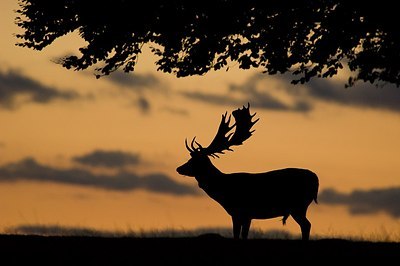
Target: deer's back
x=282 y=180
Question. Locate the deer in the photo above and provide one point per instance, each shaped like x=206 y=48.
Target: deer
x=247 y=196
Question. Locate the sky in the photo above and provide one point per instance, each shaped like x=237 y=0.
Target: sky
x=78 y=151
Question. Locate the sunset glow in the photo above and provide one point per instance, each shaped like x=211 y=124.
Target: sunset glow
x=78 y=137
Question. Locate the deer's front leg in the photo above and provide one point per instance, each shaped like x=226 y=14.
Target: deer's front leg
x=245 y=228
x=237 y=225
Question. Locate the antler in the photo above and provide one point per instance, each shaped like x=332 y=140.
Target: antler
x=224 y=139
x=243 y=125
x=221 y=139
x=192 y=148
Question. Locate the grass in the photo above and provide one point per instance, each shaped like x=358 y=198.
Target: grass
x=204 y=249
x=57 y=230
x=255 y=233
x=57 y=245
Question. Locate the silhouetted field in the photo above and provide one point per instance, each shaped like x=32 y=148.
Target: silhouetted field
x=206 y=249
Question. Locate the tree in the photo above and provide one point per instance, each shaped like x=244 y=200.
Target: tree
x=310 y=38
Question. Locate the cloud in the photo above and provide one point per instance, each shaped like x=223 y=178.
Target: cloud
x=210 y=98
x=138 y=82
x=260 y=89
x=111 y=159
x=139 y=86
x=263 y=98
x=366 y=201
x=252 y=91
x=14 y=86
x=363 y=95
x=175 y=111
x=257 y=99
x=277 y=93
x=30 y=170
x=143 y=104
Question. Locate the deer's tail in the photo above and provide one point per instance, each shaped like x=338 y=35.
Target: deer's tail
x=315 y=199
x=315 y=191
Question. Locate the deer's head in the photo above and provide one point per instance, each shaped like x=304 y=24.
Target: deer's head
x=200 y=163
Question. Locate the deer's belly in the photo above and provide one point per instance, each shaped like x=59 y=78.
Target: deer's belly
x=258 y=210
x=266 y=214
x=258 y=214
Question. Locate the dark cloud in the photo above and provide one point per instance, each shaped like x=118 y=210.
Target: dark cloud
x=110 y=159
x=258 y=99
x=14 y=84
x=277 y=93
x=265 y=99
x=366 y=201
x=139 y=86
x=364 y=95
x=251 y=91
x=176 y=111
x=211 y=98
x=260 y=89
x=143 y=104
x=133 y=80
x=30 y=170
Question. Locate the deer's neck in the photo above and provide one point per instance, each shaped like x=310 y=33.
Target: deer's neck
x=208 y=175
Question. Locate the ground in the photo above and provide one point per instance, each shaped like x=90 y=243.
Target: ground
x=209 y=249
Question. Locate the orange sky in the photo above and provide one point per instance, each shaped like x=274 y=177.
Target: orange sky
x=350 y=145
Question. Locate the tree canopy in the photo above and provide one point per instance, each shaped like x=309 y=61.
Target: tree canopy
x=310 y=38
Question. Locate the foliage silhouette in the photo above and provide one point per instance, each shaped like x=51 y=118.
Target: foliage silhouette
x=246 y=196
x=310 y=38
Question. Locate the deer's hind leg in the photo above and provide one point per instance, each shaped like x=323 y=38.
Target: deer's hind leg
x=245 y=227
x=300 y=217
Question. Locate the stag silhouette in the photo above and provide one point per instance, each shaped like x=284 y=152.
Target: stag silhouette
x=247 y=196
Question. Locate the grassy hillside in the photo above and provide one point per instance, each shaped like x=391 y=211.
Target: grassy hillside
x=203 y=250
